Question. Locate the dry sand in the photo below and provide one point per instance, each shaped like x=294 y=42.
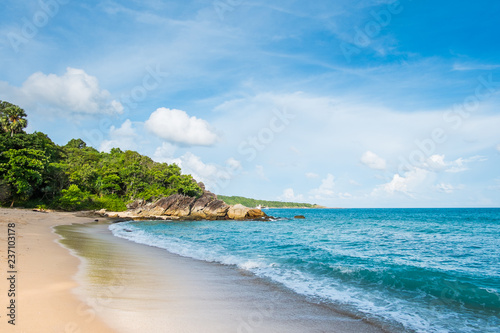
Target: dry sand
x=45 y=271
x=135 y=288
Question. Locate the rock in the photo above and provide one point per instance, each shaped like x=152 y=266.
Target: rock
x=254 y=214
x=178 y=206
x=198 y=207
x=237 y=212
x=181 y=206
x=240 y=212
x=299 y=217
x=136 y=204
x=217 y=209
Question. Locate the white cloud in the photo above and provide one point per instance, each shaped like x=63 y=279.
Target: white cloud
x=193 y=165
x=325 y=190
x=438 y=163
x=234 y=164
x=165 y=152
x=124 y=138
x=289 y=195
x=447 y=188
x=178 y=127
x=373 y=161
x=498 y=147
x=75 y=91
x=214 y=176
x=460 y=164
x=408 y=184
x=312 y=175
x=474 y=66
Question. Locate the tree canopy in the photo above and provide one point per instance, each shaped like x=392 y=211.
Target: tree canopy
x=271 y=204
x=12 y=118
x=35 y=171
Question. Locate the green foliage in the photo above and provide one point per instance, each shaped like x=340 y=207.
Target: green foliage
x=110 y=202
x=12 y=118
x=5 y=192
x=23 y=170
x=73 y=198
x=271 y=204
x=35 y=171
x=76 y=144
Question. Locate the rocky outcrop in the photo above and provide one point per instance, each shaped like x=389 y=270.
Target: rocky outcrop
x=178 y=206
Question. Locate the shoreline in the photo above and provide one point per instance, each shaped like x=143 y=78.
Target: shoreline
x=45 y=276
x=180 y=293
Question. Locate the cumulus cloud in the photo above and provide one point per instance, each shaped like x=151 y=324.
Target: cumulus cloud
x=193 y=165
x=325 y=190
x=75 y=91
x=447 y=188
x=406 y=184
x=165 y=153
x=438 y=163
x=178 y=127
x=214 y=176
x=289 y=195
x=373 y=161
x=124 y=137
x=234 y=164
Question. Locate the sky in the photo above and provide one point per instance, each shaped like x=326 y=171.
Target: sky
x=370 y=103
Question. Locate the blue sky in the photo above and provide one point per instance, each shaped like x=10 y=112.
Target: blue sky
x=371 y=103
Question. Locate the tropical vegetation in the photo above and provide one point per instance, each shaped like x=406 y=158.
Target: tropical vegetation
x=263 y=203
x=34 y=171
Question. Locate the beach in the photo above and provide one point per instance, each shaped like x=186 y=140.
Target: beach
x=101 y=283
x=45 y=276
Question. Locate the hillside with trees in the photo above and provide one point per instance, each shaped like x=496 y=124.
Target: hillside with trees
x=271 y=204
x=36 y=172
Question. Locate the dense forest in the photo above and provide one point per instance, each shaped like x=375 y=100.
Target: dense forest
x=271 y=204
x=36 y=172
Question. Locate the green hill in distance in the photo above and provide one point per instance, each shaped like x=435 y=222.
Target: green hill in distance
x=233 y=200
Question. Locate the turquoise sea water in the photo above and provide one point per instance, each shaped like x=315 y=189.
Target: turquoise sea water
x=429 y=270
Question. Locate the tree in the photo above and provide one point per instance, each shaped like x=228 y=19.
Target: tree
x=72 y=198
x=76 y=143
x=13 y=119
x=23 y=171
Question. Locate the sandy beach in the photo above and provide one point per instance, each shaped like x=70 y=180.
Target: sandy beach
x=120 y=286
x=45 y=276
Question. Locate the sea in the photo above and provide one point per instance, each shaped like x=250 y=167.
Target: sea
x=424 y=270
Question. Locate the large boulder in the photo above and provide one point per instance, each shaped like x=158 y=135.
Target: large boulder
x=254 y=214
x=216 y=210
x=237 y=212
x=206 y=207
x=181 y=205
x=136 y=204
x=209 y=207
